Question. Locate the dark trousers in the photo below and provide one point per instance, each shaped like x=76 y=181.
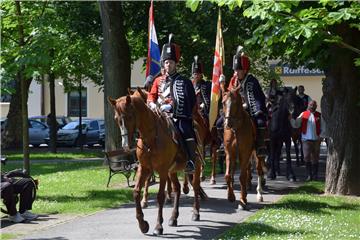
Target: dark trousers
x=186 y=129
x=25 y=187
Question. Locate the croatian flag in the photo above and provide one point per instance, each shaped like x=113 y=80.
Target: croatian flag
x=153 y=57
x=217 y=71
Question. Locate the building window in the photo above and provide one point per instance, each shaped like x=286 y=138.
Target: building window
x=73 y=103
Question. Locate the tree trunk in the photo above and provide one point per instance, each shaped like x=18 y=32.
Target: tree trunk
x=116 y=64
x=12 y=138
x=53 y=123
x=24 y=94
x=341 y=112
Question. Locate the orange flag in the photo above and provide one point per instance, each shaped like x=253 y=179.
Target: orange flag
x=217 y=71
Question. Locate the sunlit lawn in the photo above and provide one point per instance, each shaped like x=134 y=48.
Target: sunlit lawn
x=43 y=154
x=304 y=214
x=76 y=187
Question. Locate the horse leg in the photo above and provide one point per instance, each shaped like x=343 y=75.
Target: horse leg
x=243 y=180
x=196 y=188
x=145 y=198
x=160 y=199
x=289 y=171
x=272 y=173
x=202 y=152
x=186 y=184
x=142 y=175
x=248 y=184
x=176 y=190
x=229 y=173
x=278 y=149
x=301 y=152
x=214 y=157
x=296 y=147
x=260 y=173
x=168 y=190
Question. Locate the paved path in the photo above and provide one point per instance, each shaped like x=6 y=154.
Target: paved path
x=217 y=215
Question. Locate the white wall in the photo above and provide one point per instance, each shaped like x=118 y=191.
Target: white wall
x=34 y=97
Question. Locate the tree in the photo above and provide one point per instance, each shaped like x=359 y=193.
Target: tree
x=321 y=34
x=116 y=65
x=59 y=39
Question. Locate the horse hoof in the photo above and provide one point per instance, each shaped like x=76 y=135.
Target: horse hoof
x=260 y=199
x=186 y=190
x=231 y=198
x=173 y=223
x=158 y=231
x=242 y=206
x=195 y=217
x=263 y=182
x=144 y=227
x=168 y=201
x=212 y=182
x=144 y=204
x=203 y=178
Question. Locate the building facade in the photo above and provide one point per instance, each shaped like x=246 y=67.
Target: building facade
x=93 y=99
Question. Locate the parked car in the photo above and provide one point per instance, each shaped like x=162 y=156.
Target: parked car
x=61 y=120
x=38 y=131
x=93 y=132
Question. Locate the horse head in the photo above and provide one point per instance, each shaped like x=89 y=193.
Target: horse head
x=232 y=106
x=125 y=118
x=293 y=102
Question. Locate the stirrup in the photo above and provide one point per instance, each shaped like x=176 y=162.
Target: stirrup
x=190 y=167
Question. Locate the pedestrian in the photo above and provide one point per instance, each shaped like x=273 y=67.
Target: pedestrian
x=310 y=123
x=253 y=96
x=25 y=188
x=304 y=97
x=175 y=95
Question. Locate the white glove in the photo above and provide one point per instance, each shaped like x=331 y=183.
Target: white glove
x=202 y=105
x=244 y=105
x=166 y=108
x=222 y=78
x=152 y=105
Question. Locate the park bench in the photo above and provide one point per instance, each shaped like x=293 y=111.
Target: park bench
x=121 y=162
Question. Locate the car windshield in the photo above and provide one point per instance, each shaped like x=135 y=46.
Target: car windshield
x=74 y=125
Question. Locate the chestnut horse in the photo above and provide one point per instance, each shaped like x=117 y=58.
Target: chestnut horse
x=201 y=131
x=156 y=151
x=239 y=138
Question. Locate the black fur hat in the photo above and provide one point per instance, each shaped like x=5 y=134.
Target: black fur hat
x=197 y=66
x=240 y=60
x=170 y=51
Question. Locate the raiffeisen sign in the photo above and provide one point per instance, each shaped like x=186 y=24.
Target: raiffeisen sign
x=285 y=70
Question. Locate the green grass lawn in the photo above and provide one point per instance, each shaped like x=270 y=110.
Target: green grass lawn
x=43 y=154
x=76 y=187
x=304 y=214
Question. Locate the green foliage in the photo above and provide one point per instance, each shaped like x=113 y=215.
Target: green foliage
x=297 y=31
x=304 y=214
x=60 y=37
x=194 y=32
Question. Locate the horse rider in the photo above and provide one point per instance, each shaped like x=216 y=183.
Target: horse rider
x=253 y=96
x=202 y=88
x=150 y=79
x=175 y=95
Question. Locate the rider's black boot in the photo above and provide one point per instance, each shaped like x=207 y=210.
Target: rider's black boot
x=191 y=148
x=261 y=149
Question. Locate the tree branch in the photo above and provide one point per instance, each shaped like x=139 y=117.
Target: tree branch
x=41 y=14
x=9 y=37
x=341 y=43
